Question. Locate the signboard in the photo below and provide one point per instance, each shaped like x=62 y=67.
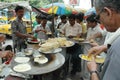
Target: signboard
x=74 y=2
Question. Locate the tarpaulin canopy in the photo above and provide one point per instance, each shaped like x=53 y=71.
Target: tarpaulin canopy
x=24 y=4
x=59 y=8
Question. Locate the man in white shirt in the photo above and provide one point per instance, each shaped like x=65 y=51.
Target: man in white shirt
x=63 y=21
x=42 y=29
x=93 y=28
x=70 y=30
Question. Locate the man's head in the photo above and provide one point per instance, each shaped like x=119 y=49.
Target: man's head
x=63 y=18
x=55 y=16
x=79 y=17
x=109 y=13
x=19 y=10
x=43 y=20
x=38 y=19
x=71 y=19
x=50 y=17
x=91 y=21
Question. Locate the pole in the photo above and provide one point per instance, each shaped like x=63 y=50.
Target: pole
x=92 y=1
x=30 y=18
x=53 y=30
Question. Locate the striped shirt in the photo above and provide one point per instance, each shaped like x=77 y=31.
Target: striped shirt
x=18 y=26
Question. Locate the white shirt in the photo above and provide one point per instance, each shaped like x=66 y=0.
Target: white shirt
x=69 y=30
x=41 y=34
x=61 y=25
x=93 y=31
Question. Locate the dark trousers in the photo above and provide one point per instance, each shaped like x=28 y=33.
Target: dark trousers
x=75 y=51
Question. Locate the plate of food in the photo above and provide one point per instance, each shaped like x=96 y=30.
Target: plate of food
x=22 y=68
x=49 y=33
x=34 y=41
x=68 y=44
x=41 y=60
x=50 y=51
x=28 y=51
x=98 y=59
x=22 y=59
x=85 y=42
x=79 y=39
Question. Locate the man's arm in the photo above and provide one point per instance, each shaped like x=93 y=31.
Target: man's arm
x=97 y=50
x=94 y=76
x=21 y=35
x=92 y=68
x=62 y=30
x=6 y=54
x=80 y=31
x=17 y=33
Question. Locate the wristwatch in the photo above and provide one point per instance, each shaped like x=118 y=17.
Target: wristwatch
x=91 y=72
x=96 y=72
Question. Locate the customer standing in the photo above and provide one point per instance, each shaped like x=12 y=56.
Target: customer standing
x=70 y=30
x=109 y=15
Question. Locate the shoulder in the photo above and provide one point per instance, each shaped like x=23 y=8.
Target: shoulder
x=15 y=21
x=77 y=25
x=67 y=25
x=98 y=27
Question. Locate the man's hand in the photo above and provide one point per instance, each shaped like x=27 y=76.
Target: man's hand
x=2 y=38
x=93 y=44
x=97 y=50
x=6 y=54
x=30 y=36
x=92 y=67
x=44 y=31
x=37 y=30
x=70 y=36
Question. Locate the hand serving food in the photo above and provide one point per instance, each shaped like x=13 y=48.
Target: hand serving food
x=97 y=50
x=97 y=59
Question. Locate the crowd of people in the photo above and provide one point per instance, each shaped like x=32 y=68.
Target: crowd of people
x=105 y=39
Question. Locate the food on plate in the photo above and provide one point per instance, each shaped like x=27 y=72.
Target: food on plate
x=22 y=67
x=48 y=46
x=22 y=59
x=92 y=40
x=79 y=39
x=49 y=33
x=68 y=43
x=34 y=40
x=61 y=41
x=37 y=55
x=53 y=43
x=28 y=51
x=98 y=59
x=41 y=60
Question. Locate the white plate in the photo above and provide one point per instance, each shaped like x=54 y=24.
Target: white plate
x=85 y=42
x=30 y=40
x=41 y=60
x=52 y=51
x=22 y=59
x=22 y=67
x=98 y=59
x=12 y=73
x=37 y=54
x=70 y=45
x=28 y=51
